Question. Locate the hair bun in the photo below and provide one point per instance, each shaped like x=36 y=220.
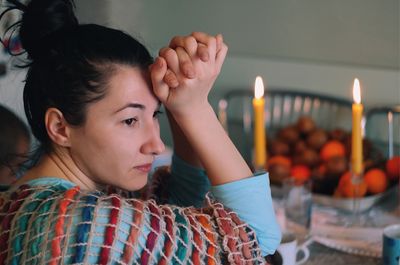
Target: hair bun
x=42 y=18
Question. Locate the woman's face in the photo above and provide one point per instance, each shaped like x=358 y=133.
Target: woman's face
x=121 y=135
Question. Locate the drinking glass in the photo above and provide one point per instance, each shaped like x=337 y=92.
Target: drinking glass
x=298 y=206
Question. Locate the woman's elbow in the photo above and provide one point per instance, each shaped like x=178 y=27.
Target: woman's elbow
x=270 y=241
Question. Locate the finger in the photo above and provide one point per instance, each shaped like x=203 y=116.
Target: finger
x=202 y=37
x=202 y=52
x=189 y=43
x=185 y=63
x=208 y=41
x=171 y=58
x=220 y=57
x=176 y=41
x=157 y=72
x=170 y=79
x=220 y=41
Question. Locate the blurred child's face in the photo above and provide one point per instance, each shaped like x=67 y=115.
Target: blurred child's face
x=8 y=174
x=121 y=134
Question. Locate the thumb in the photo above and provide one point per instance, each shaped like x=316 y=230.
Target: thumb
x=220 y=57
x=220 y=41
x=157 y=72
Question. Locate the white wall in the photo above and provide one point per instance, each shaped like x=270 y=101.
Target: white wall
x=379 y=86
x=303 y=45
x=309 y=45
x=355 y=32
x=306 y=45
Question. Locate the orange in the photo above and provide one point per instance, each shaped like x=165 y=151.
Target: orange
x=350 y=190
x=331 y=149
x=393 y=168
x=322 y=169
x=376 y=180
x=301 y=173
x=279 y=160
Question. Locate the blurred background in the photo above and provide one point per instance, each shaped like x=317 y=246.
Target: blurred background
x=312 y=46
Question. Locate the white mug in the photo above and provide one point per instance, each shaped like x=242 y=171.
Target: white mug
x=288 y=249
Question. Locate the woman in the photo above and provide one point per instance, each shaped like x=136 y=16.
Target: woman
x=92 y=98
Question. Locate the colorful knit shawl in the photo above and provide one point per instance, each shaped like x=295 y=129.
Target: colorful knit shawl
x=55 y=225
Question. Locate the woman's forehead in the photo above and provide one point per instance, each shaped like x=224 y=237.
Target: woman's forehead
x=129 y=85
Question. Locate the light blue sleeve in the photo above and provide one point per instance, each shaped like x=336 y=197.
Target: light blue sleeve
x=188 y=184
x=251 y=199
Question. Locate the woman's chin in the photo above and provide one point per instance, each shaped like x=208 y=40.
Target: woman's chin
x=136 y=183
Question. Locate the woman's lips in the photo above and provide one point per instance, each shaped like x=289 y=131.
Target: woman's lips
x=144 y=168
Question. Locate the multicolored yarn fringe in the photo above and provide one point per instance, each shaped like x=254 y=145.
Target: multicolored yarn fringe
x=54 y=225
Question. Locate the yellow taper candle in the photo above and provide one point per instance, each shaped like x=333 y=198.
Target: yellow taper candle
x=260 y=154
x=356 y=143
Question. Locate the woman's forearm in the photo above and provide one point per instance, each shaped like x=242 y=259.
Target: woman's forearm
x=182 y=148
x=217 y=153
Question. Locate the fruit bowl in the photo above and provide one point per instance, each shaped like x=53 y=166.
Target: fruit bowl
x=302 y=151
x=347 y=204
x=344 y=204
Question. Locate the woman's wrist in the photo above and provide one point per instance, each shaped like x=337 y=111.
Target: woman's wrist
x=192 y=113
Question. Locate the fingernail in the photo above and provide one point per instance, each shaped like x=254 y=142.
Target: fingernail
x=158 y=62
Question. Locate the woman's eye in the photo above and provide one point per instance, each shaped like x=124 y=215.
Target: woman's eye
x=130 y=121
x=157 y=114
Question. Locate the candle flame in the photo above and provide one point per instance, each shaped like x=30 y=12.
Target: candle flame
x=259 y=88
x=356 y=91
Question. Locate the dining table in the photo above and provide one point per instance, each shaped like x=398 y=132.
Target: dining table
x=323 y=255
x=334 y=239
x=325 y=250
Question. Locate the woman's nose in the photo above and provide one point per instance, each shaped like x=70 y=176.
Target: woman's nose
x=159 y=146
x=154 y=145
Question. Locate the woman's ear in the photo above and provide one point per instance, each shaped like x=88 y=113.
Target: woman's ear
x=57 y=127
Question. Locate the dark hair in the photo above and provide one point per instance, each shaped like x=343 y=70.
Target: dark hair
x=12 y=130
x=69 y=64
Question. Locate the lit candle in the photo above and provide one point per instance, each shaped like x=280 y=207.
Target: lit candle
x=260 y=154
x=356 y=143
x=390 y=132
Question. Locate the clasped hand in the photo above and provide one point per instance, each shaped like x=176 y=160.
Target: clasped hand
x=185 y=71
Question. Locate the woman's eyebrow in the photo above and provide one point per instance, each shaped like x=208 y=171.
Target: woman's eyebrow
x=132 y=105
